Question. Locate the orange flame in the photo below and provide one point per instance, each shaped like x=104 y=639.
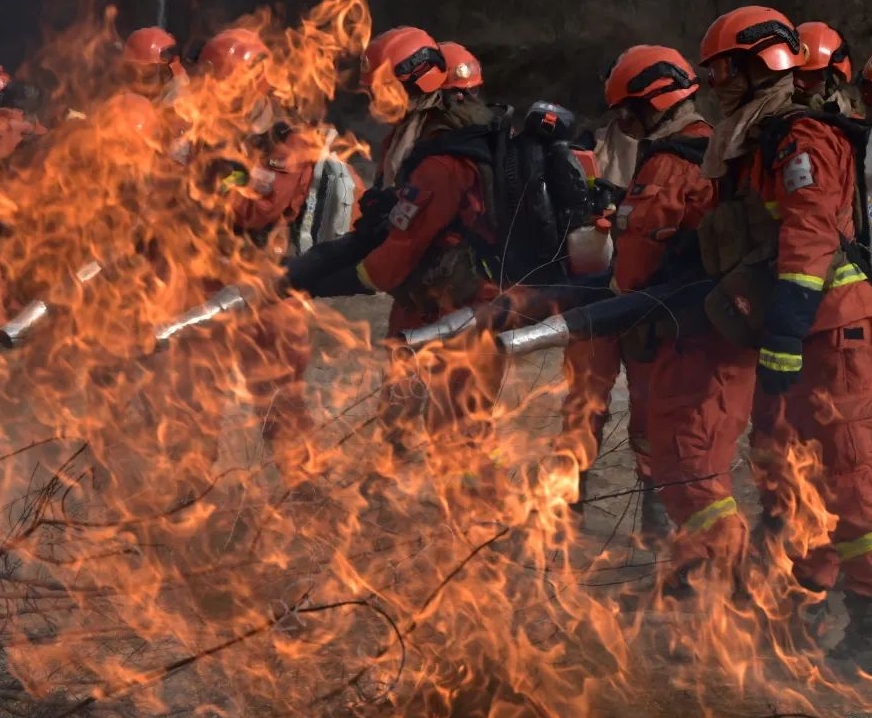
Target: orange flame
x=158 y=556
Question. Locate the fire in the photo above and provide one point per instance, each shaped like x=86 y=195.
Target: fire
x=158 y=556
x=389 y=100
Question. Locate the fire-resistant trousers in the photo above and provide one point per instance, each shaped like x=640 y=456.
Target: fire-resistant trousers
x=819 y=435
x=701 y=391
x=591 y=368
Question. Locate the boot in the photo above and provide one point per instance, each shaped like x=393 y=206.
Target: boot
x=854 y=652
x=655 y=521
x=807 y=619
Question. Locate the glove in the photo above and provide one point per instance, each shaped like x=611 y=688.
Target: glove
x=779 y=364
x=375 y=206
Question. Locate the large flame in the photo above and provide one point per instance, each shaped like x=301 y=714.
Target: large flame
x=158 y=559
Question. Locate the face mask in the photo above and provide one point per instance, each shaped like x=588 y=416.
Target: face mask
x=732 y=95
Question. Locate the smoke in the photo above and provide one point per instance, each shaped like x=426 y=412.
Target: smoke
x=162 y=13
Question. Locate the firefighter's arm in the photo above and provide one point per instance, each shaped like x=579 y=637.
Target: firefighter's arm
x=270 y=195
x=810 y=173
x=648 y=217
x=427 y=205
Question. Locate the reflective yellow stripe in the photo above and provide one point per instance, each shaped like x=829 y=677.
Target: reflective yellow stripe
x=852 y=549
x=778 y=361
x=705 y=518
x=847 y=274
x=237 y=178
x=774 y=210
x=364 y=278
x=591 y=181
x=808 y=281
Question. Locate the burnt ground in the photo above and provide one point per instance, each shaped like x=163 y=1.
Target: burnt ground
x=425 y=549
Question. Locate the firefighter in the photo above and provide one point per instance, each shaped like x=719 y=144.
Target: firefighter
x=699 y=386
x=824 y=80
x=18 y=123
x=465 y=76
x=151 y=65
x=426 y=262
x=786 y=190
x=263 y=192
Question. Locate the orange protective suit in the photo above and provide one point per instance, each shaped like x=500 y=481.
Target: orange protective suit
x=442 y=199
x=700 y=387
x=825 y=304
x=277 y=352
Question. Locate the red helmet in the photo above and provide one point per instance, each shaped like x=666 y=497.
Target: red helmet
x=657 y=74
x=757 y=30
x=412 y=55
x=130 y=114
x=826 y=47
x=232 y=49
x=464 y=69
x=150 y=46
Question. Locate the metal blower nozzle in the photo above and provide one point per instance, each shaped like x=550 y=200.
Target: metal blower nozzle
x=450 y=325
x=228 y=299
x=550 y=333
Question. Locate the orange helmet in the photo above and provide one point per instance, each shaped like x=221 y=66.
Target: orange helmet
x=826 y=47
x=150 y=46
x=757 y=30
x=413 y=56
x=130 y=115
x=231 y=49
x=657 y=74
x=464 y=69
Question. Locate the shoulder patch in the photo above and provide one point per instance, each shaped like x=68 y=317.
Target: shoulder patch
x=403 y=213
x=262 y=180
x=622 y=216
x=798 y=173
x=410 y=201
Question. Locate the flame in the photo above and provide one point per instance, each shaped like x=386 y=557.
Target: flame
x=158 y=556
x=389 y=100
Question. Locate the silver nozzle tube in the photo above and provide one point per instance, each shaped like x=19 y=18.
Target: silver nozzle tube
x=13 y=333
x=553 y=332
x=450 y=325
x=228 y=299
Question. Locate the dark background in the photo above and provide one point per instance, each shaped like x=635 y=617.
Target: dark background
x=530 y=49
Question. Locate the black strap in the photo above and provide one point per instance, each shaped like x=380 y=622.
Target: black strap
x=687 y=148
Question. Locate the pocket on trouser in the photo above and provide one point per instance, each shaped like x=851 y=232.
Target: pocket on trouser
x=735 y=307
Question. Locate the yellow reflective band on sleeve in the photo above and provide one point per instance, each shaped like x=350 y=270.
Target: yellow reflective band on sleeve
x=847 y=274
x=364 y=278
x=854 y=549
x=807 y=281
x=774 y=210
x=237 y=178
x=591 y=181
x=706 y=518
x=778 y=361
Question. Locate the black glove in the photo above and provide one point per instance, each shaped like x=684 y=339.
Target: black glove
x=375 y=207
x=779 y=364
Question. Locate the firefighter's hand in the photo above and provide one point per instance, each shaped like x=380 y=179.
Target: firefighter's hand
x=779 y=364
